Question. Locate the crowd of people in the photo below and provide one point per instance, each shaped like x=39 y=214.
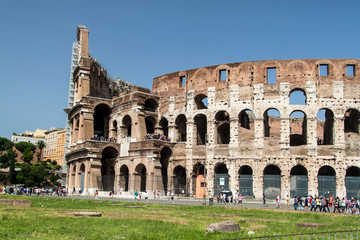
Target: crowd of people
x=224 y=198
x=30 y=191
x=102 y=139
x=323 y=204
x=157 y=137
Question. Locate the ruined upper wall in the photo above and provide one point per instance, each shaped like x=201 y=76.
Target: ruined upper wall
x=298 y=71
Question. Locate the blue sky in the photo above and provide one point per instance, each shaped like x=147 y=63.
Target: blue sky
x=140 y=40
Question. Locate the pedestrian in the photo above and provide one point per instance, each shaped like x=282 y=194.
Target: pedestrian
x=96 y=194
x=136 y=194
x=264 y=199
x=277 y=201
x=240 y=199
x=172 y=196
x=287 y=201
x=295 y=203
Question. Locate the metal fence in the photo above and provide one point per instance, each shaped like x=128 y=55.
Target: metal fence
x=327 y=186
x=337 y=235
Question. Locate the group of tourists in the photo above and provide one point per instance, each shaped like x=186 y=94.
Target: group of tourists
x=323 y=204
x=30 y=191
x=224 y=198
x=102 y=139
x=157 y=137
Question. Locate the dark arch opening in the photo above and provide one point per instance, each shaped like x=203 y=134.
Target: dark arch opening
x=201 y=101
x=245 y=181
x=124 y=178
x=180 y=123
x=127 y=125
x=201 y=129
x=164 y=124
x=179 y=180
x=150 y=105
x=221 y=181
x=101 y=120
x=298 y=181
x=222 y=121
x=325 y=127
x=199 y=184
x=298 y=128
x=327 y=181
x=352 y=182
x=108 y=157
x=272 y=181
x=351 y=121
x=141 y=175
x=150 y=125
x=165 y=155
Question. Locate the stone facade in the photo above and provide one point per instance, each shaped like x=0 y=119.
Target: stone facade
x=234 y=118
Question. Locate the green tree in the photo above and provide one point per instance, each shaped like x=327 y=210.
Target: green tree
x=27 y=155
x=32 y=174
x=22 y=146
x=40 y=145
x=12 y=173
x=4 y=161
x=5 y=144
x=3 y=178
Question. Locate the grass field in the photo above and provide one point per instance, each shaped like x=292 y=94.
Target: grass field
x=52 y=218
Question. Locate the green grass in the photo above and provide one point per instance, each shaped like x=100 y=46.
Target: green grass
x=52 y=218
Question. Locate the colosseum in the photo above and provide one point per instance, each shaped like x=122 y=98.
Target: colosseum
x=288 y=127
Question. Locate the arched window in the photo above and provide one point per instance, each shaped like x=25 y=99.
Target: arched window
x=150 y=125
x=201 y=101
x=351 y=121
x=180 y=123
x=101 y=120
x=298 y=128
x=298 y=181
x=150 y=105
x=297 y=97
x=272 y=181
x=126 y=122
x=222 y=121
x=201 y=129
x=326 y=181
x=272 y=123
x=325 y=127
x=246 y=181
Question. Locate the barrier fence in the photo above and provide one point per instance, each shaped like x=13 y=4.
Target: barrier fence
x=336 y=235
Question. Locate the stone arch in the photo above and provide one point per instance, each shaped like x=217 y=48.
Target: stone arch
x=140 y=177
x=298 y=181
x=180 y=124
x=272 y=121
x=298 y=128
x=108 y=157
x=150 y=123
x=352 y=182
x=221 y=179
x=165 y=155
x=200 y=121
x=297 y=96
x=198 y=180
x=102 y=113
x=327 y=181
x=124 y=177
x=351 y=121
x=179 y=180
x=150 y=105
x=82 y=177
x=246 y=125
x=222 y=122
x=164 y=124
x=201 y=101
x=325 y=127
x=298 y=68
x=272 y=181
x=246 y=180
x=126 y=125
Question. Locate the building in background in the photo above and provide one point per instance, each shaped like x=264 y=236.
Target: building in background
x=30 y=137
x=54 y=145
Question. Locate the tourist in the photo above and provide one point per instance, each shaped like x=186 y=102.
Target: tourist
x=240 y=199
x=264 y=199
x=96 y=194
x=277 y=201
x=136 y=194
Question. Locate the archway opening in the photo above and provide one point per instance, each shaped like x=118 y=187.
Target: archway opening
x=101 y=121
x=221 y=180
x=199 y=183
x=352 y=182
x=325 y=127
x=179 y=180
x=140 y=177
x=298 y=128
x=272 y=181
x=108 y=157
x=150 y=105
x=164 y=124
x=150 y=125
x=351 y=121
x=298 y=181
x=180 y=123
x=165 y=155
x=124 y=178
x=222 y=121
x=297 y=97
x=126 y=122
x=201 y=101
x=326 y=181
x=82 y=177
x=246 y=181
x=272 y=123
x=201 y=129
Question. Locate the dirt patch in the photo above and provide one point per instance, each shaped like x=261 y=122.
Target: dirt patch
x=134 y=207
x=224 y=215
x=310 y=225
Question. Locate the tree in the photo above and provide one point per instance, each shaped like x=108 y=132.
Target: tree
x=27 y=155
x=22 y=146
x=5 y=144
x=12 y=173
x=4 y=161
x=40 y=145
